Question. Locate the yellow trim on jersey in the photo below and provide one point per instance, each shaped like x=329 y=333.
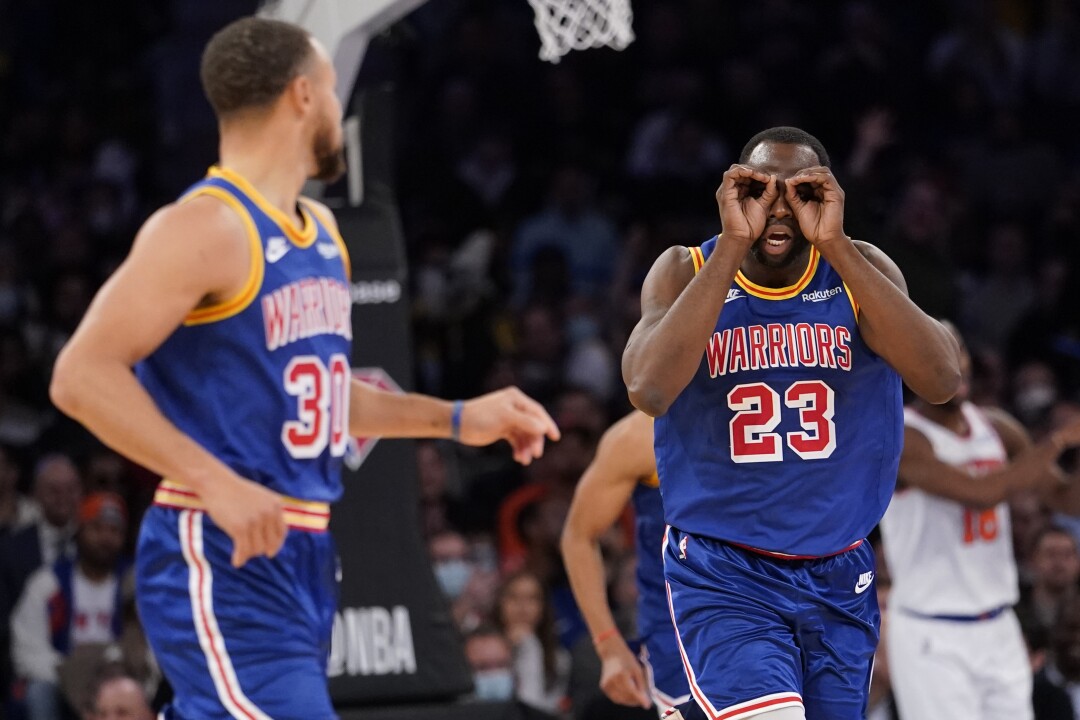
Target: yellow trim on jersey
x=334 y=233
x=303 y=514
x=784 y=293
x=652 y=481
x=239 y=302
x=299 y=237
x=697 y=258
x=854 y=305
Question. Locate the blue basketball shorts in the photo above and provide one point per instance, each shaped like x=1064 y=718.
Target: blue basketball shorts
x=659 y=654
x=759 y=633
x=247 y=643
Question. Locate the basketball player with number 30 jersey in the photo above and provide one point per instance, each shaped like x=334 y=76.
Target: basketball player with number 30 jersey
x=955 y=647
x=771 y=358
x=233 y=310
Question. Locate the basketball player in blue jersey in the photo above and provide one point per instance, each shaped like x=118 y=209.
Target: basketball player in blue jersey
x=771 y=358
x=622 y=471
x=217 y=356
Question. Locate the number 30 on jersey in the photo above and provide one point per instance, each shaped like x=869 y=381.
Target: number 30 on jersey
x=758 y=411
x=322 y=406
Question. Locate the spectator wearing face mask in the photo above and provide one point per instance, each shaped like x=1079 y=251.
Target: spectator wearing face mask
x=469 y=587
x=490 y=658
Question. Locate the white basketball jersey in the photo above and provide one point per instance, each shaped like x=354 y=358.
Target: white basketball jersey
x=944 y=558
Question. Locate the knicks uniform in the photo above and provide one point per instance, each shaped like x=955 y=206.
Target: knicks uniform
x=775 y=462
x=260 y=380
x=659 y=648
x=955 y=647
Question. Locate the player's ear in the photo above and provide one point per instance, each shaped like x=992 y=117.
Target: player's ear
x=299 y=94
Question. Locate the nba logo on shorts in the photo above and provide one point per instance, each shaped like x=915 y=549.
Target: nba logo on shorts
x=682 y=548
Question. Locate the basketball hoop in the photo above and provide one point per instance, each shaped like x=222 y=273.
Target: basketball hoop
x=566 y=25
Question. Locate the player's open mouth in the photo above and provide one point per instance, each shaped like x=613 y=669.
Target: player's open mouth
x=776 y=242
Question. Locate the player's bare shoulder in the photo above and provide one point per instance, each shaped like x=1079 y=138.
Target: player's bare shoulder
x=202 y=237
x=1013 y=435
x=882 y=262
x=628 y=444
x=670 y=274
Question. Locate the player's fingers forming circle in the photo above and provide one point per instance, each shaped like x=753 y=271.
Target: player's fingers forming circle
x=818 y=178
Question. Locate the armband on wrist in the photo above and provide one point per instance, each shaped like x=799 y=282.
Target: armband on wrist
x=607 y=634
x=455 y=420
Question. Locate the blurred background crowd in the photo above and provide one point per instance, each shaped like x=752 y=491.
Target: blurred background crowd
x=534 y=198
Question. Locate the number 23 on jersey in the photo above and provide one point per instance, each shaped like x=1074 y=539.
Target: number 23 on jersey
x=758 y=411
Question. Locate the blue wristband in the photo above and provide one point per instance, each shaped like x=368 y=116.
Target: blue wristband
x=455 y=420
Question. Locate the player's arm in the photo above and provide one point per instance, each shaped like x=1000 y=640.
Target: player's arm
x=919 y=347
x=506 y=414
x=679 y=309
x=623 y=456
x=1060 y=492
x=185 y=255
x=1031 y=466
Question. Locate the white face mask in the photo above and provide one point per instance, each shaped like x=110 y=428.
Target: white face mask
x=452 y=576
x=494 y=684
x=1035 y=399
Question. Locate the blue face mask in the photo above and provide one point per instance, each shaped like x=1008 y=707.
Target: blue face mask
x=494 y=684
x=452 y=576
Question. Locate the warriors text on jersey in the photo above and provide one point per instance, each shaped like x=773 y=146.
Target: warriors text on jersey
x=947 y=559
x=272 y=364
x=788 y=437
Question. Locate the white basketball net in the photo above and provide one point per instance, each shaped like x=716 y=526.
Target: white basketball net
x=566 y=25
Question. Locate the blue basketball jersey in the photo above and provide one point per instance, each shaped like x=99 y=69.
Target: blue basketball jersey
x=660 y=652
x=261 y=380
x=788 y=437
x=653 y=614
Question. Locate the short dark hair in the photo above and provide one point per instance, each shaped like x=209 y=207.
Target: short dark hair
x=248 y=63
x=1052 y=529
x=787 y=136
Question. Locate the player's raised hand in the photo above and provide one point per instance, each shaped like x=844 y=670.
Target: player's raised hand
x=745 y=198
x=621 y=677
x=817 y=201
x=1067 y=436
x=510 y=415
x=250 y=514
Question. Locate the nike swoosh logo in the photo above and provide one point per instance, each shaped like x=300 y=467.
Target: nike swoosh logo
x=861 y=587
x=276 y=248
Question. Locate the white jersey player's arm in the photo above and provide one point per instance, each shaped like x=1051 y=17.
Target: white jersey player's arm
x=1061 y=493
x=186 y=255
x=623 y=457
x=1030 y=467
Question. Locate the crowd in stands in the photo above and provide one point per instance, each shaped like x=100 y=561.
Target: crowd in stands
x=533 y=199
